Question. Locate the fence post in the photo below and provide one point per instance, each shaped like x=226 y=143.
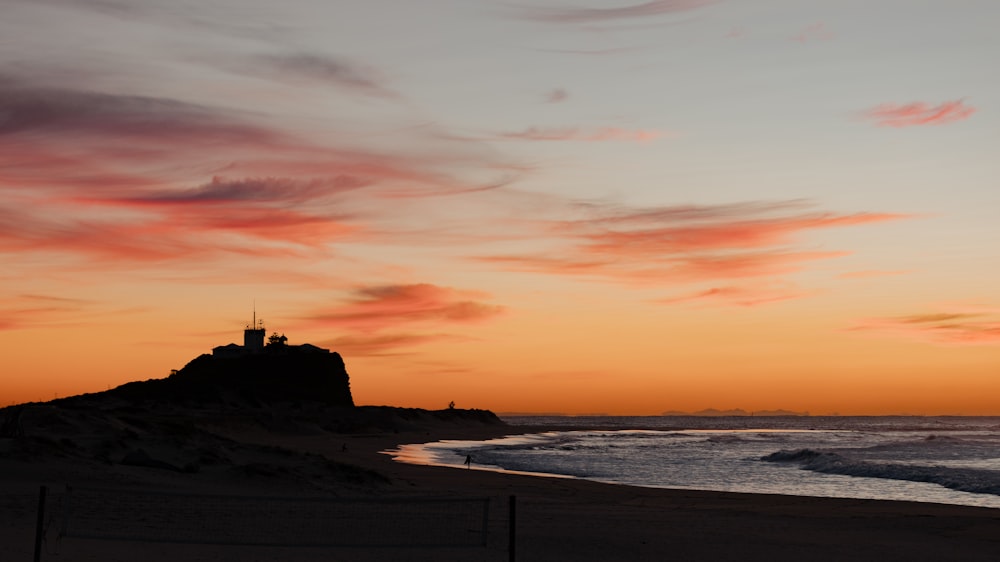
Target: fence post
x=40 y=524
x=512 y=524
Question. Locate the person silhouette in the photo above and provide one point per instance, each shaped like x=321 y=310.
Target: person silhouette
x=468 y=461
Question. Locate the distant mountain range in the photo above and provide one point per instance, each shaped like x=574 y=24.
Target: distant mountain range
x=712 y=412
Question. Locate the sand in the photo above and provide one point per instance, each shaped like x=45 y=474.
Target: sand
x=556 y=519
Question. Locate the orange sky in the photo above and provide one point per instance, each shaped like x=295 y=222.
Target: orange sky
x=558 y=208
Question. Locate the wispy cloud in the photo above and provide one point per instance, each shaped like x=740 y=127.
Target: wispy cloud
x=814 y=32
x=960 y=327
x=869 y=273
x=686 y=243
x=177 y=16
x=737 y=32
x=117 y=178
x=734 y=295
x=116 y=135
x=318 y=69
x=380 y=307
x=919 y=113
x=33 y=310
x=368 y=345
x=257 y=190
x=557 y=95
x=577 y=134
x=157 y=225
x=595 y=15
x=591 y=52
x=68 y=112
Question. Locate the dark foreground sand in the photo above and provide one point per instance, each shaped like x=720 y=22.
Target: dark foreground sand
x=557 y=519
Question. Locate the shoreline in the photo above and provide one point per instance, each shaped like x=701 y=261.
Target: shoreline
x=567 y=518
x=587 y=520
x=437 y=453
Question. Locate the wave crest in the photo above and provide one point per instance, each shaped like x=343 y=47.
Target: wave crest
x=976 y=481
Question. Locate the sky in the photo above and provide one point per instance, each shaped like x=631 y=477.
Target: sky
x=575 y=206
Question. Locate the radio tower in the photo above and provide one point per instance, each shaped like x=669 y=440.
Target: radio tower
x=253 y=336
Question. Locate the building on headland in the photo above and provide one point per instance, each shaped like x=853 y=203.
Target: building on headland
x=253 y=343
x=253 y=336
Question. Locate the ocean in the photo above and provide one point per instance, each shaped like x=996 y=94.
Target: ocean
x=951 y=460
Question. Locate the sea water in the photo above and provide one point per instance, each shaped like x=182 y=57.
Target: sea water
x=952 y=460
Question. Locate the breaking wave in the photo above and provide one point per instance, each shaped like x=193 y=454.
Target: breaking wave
x=976 y=481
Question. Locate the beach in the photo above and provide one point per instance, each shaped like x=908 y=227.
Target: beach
x=556 y=518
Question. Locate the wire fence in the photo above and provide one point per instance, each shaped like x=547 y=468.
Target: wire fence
x=155 y=516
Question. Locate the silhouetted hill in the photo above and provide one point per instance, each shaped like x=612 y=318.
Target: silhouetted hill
x=222 y=420
x=249 y=380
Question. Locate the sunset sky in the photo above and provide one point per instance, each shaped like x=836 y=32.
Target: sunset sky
x=578 y=206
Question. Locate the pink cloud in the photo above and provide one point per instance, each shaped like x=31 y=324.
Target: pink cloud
x=738 y=295
x=946 y=328
x=919 y=113
x=114 y=178
x=575 y=134
x=386 y=306
x=672 y=270
x=729 y=233
x=684 y=244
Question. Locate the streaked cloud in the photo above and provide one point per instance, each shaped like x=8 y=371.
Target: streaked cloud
x=35 y=310
x=38 y=111
x=376 y=308
x=919 y=113
x=108 y=139
x=157 y=225
x=318 y=69
x=268 y=189
x=577 y=134
x=685 y=244
x=870 y=273
x=176 y=16
x=591 y=52
x=734 y=295
x=119 y=178
x=362 y=345
x=961 y=327
x=595 y=15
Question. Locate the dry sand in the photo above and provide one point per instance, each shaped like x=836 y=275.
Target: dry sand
x=556 y=519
